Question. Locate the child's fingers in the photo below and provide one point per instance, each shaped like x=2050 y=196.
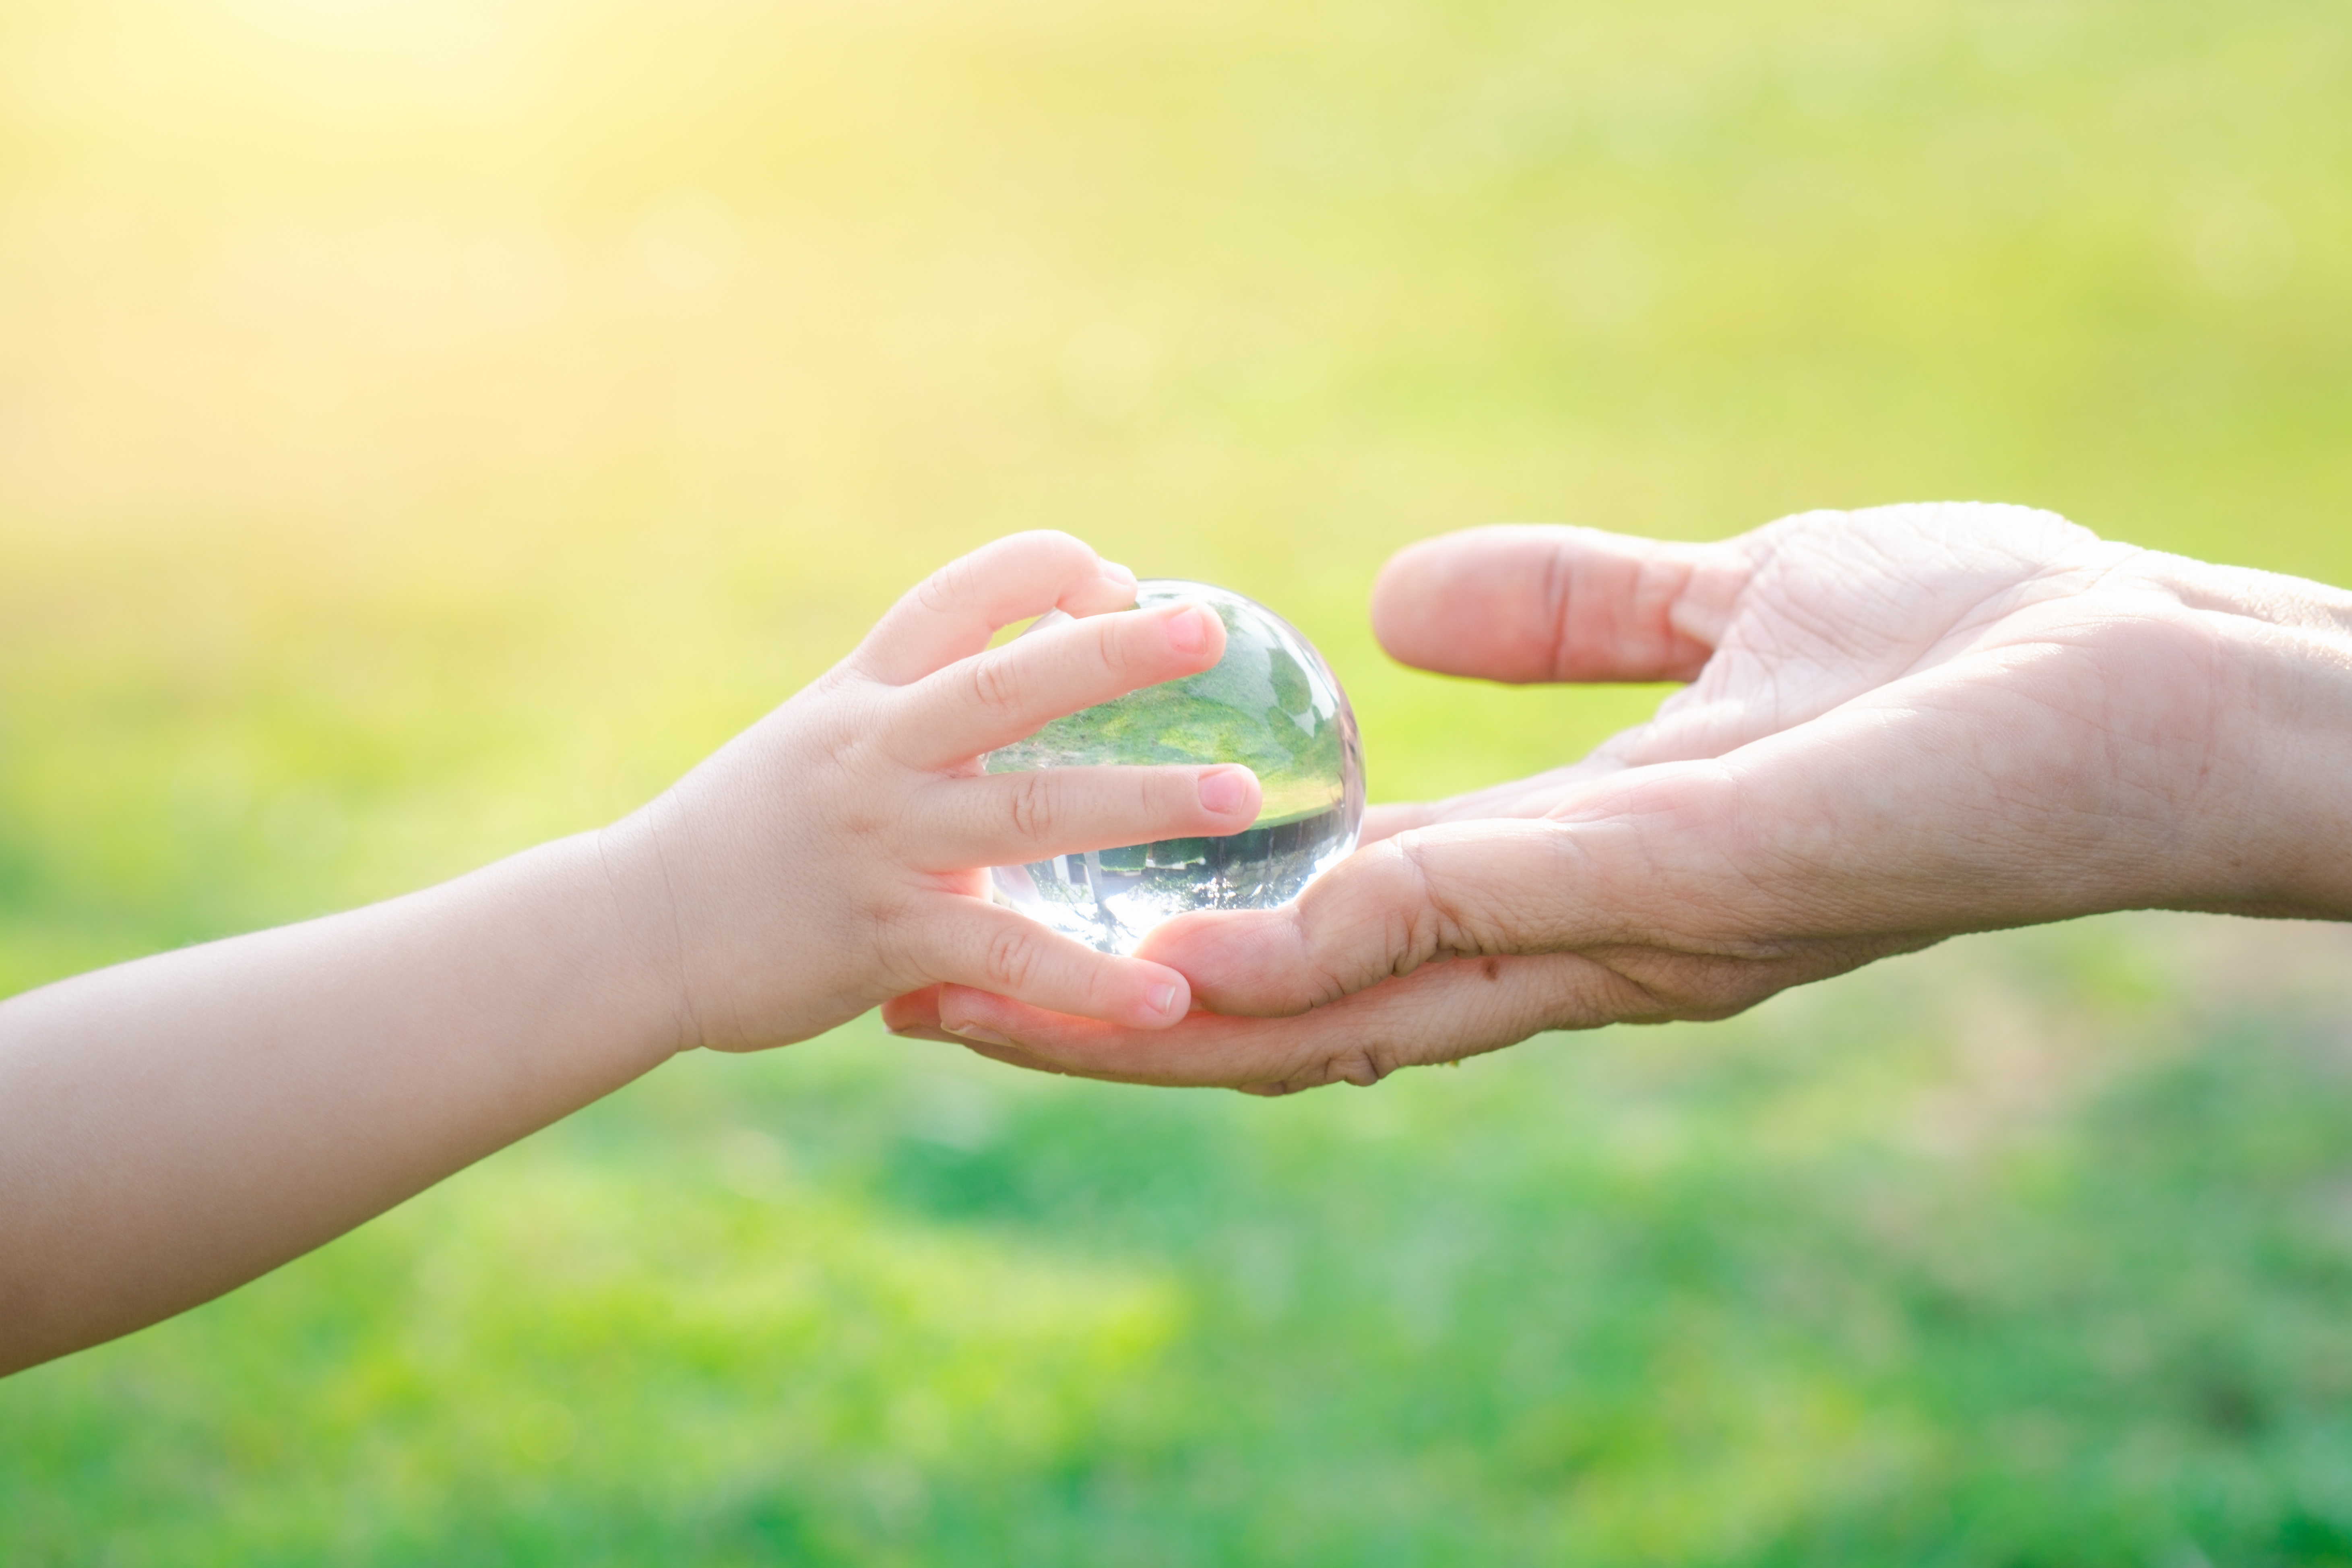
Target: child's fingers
x=952 y=613
x=992 y=949
x=1009 y=819
x=978 y=704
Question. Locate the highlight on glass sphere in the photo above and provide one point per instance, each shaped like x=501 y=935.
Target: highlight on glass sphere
x=1271 y=704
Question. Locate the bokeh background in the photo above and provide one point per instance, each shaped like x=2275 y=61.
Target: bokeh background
x=429 y=426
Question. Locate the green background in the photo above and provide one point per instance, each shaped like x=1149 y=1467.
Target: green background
x=429 y=426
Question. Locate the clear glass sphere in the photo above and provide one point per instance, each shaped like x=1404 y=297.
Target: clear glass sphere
x=1270 y=703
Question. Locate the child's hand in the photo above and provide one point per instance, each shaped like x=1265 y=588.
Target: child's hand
x=835 y=854
x=172 y=1126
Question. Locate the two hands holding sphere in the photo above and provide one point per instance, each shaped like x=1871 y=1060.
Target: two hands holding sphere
x=1900 y=724
x=1895 y=725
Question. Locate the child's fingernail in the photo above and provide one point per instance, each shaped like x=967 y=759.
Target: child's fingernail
x=979 y=1035
x=1224 y=790
x=1188 y=630
x=1116 y=573
x=1163 y=1001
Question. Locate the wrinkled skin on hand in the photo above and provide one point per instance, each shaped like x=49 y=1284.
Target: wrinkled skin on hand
x=1901 y=724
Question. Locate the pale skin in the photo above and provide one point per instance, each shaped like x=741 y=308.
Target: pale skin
x=172 y=1127
x=1901 y=724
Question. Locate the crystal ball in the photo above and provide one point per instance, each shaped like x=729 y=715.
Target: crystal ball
x=1270 y=703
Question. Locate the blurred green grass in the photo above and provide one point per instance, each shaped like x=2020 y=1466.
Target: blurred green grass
x=426 y=428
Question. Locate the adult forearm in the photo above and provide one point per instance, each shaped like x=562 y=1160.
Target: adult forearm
x=174 y=1127
x=2293 y=855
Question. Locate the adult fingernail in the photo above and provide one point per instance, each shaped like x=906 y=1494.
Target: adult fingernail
x=1224 y=791
x=1163 y=1000
x=979 y=1035
x=1188 y=630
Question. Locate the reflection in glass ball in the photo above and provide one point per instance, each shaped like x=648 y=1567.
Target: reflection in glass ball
x=1271 y=704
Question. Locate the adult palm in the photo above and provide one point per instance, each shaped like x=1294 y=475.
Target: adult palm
x=1901 y=723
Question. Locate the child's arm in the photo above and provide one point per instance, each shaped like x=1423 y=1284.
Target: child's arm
x=172 y=1127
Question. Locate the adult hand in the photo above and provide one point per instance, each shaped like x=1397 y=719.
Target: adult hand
x=1903 y=723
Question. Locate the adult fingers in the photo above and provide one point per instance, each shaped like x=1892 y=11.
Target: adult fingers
x=1538 y=794
x=992 y=698
x=952 y=613
x=1654 y=860
x=1388 y=821
x=995 y=949
x=1011 y=819
x=1984 y=793
x=1486 y=888
x=1010 y=1056
x=1442 y=1012
x=1521 y=604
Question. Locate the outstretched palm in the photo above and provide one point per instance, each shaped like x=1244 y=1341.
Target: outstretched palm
x=1902 y=724
x=1774 y=629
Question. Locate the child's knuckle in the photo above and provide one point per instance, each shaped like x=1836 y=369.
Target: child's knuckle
x=1110 y=642
x=996 y=687
x=944 y=589
x=1034 y=807
x=1064 y=554
x=896 y=923
x=1010 y=959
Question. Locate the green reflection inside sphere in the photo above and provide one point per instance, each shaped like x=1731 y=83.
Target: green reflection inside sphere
x=1271 y=704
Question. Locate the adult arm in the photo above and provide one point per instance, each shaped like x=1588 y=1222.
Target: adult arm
x=1902 y=724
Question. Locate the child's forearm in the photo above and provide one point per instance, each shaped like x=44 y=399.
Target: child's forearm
x=171 y=1128
x=174 y=1127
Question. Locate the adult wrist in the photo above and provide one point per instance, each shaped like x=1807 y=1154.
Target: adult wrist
x=2294 y=853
